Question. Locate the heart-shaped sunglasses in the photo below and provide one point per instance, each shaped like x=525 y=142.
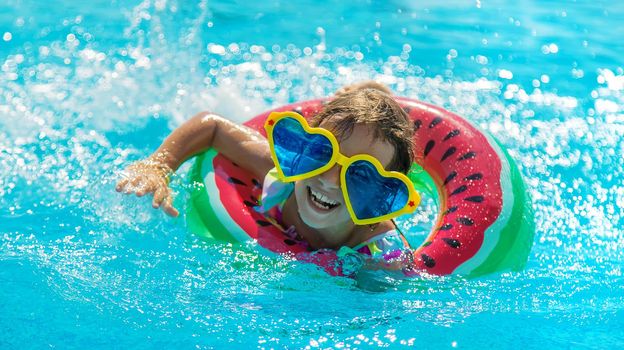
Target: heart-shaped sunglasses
x=371 y=193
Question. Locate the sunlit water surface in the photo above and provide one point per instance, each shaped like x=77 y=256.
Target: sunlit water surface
x=86 y=89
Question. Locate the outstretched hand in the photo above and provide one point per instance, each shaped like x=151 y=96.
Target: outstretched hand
x=149 y=176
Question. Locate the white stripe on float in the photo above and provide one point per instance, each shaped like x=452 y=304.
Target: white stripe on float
x=208 y=174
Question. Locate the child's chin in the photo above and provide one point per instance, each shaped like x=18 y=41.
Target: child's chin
x=317 y=220
x=315 y=217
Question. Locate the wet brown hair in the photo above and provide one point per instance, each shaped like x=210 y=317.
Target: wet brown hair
x=376 y=108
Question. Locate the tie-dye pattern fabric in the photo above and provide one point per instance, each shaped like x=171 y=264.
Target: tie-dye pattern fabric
x=274 y=193
x=388 y=246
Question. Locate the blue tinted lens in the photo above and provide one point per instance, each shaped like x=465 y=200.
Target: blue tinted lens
x=371 y=194
x=297 y=151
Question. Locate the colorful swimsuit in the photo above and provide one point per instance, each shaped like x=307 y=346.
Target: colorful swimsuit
x=385 y=247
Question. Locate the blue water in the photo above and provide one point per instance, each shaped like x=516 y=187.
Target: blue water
x=86 y=89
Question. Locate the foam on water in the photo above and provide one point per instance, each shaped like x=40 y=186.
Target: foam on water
x=81 y=264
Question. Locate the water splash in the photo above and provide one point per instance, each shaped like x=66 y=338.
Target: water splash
x=74 y=111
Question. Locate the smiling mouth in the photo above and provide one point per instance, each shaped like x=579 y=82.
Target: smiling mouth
x=321 y=201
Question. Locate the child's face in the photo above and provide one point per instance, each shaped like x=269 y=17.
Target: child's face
x=319 y=199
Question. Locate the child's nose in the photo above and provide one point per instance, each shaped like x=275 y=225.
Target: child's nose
x=331 y=178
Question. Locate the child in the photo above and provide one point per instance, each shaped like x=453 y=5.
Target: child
x=364 y=118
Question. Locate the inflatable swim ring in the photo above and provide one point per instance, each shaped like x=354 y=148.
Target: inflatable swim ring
x=485 y=220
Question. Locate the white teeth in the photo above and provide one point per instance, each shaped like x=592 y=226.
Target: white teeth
x=319 y=205
x=322 y=198
x=321 y=201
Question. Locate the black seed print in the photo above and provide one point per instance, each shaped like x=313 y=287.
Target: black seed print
x=475 y=176
x=449 y=210
x=256 y=183
x=429 y=262
x=236 y=165
x=467 y=156
x=417 y=124
x=296 y=110
x=451 y=134
x=289 y=241
x=453 y=243
x=445 y=227
x=449 y=152
x=465 y=221
x=435 y=121
x=475 y=199
x=263 y=223
x=235 y=181
x=459 y=189
x=426 y=244
x=252 y=200
x=450 y=177
x=249 y=204
x=429 y=146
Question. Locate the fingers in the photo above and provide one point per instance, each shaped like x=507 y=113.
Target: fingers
x=145 y=188
x=143 y=178
x=163 y=199
x=139 y=184
x=121 y=184
x=129 y=185
x=167 y=206
x=159 y=196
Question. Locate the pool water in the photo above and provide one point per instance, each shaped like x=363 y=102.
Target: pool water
x=85 y=89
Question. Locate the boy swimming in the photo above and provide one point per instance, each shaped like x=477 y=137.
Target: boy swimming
x=366 y=124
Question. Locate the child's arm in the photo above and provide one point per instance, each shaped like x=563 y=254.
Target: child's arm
x=239 y=143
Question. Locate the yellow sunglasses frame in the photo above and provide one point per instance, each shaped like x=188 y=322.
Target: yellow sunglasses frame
x=344 y=161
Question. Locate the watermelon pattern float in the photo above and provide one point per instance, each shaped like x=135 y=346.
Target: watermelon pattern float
x=485 y=223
